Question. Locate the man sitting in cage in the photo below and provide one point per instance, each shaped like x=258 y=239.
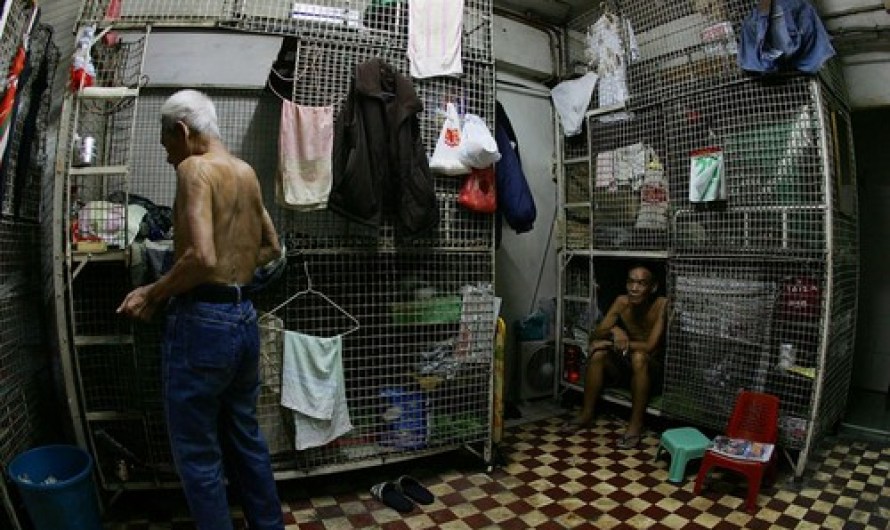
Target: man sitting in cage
x=627 y=347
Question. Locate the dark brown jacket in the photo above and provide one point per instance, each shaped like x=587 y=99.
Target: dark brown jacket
x=379 y=161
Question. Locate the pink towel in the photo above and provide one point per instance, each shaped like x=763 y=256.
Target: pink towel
x=435 y=28
x=305 y=147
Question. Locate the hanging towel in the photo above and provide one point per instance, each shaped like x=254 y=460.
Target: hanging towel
x=435 y=28
x=571 y=99
x=314 y=388
x=305 y=147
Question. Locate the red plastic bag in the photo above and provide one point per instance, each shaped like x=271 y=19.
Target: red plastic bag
x=478 y=192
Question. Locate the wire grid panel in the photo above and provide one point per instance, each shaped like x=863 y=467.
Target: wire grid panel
x=249 y=123
x=420 y=340
x=358 y=23
x=629 y=187
x=22 y=197
x=16 y=25
x=107 y=376
x=100 y=288
x=20 y=311
x=26 y=408
x=423 y=345
x=158 y=12
x=679 y=46
x=578 y=298
x=121 y=453
x=762 y=189
x=744 y=325
x=841 y=327
x=318 y=73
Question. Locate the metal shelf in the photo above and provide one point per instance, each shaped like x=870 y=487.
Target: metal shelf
x=97 y=170
x=101 y=92
x=614 y=396
x=109 y=255
x=103 y=340
x=638 y=254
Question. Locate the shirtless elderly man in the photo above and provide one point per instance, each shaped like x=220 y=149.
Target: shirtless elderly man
x=210 y=348
x=627 y=345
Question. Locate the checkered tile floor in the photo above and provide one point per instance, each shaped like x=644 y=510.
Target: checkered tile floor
x=549 y=481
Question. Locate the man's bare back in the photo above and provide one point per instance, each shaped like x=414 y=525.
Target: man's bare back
x=224 y=188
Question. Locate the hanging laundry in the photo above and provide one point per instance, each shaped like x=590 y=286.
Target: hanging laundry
x=313 y=386
x=605 y=170
x=784 y=35
x=380 y=162
x=305 y=148
x=654 y=197
x=571 y=99
x=611 y=44
x=435 y=29
x=514 y=197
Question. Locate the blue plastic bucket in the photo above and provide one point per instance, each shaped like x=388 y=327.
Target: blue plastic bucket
x=56 y=486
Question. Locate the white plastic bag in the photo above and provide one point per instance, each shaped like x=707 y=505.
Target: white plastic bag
x=446 y=157
x=477 y=146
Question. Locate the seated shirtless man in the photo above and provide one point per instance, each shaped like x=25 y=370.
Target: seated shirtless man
x=627 y=344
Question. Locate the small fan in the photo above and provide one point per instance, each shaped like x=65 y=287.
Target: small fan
x=538 y=364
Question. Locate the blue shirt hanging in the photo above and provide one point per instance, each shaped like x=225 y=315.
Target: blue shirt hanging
x=783 y=35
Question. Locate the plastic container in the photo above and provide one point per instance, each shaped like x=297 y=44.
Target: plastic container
x=56 y=486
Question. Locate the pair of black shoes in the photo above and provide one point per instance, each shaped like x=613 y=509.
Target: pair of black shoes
x=402 y=494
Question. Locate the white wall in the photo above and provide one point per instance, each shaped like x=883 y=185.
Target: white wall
x=525 y=264
x=223 y=59
x=861 y=29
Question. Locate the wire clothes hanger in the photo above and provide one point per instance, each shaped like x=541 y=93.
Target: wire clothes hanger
x=310 y=290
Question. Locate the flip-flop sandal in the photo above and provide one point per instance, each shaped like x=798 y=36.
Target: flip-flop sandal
x=629 y=441
x=389 y=494
x=574 y=426
x=414 y=489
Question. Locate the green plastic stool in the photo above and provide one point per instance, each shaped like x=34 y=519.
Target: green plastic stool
x=684 y=444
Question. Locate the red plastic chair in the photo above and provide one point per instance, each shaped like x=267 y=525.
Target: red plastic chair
x=755 y=417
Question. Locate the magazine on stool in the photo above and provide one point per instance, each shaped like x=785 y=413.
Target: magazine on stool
x=742 y=449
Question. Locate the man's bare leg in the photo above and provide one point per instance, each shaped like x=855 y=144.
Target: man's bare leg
x=593 y=385
x=639 y=392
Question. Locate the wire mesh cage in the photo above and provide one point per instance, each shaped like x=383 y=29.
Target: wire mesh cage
x=630 y=194
x=26 y=143
x=737 y=325
x=761 y=233
x=417 y=366
x=768 y=165
x=668 y=49
x=359 y=24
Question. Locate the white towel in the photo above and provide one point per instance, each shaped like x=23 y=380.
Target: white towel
x=435 y=28
x=314 y=388
x=305 y=148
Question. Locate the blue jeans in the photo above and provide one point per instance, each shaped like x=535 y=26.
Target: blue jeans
x=211 y=383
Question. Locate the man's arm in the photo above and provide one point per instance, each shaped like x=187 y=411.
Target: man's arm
x=270 y=248
x=603 y=330
x=656 y=334
x=197 y=260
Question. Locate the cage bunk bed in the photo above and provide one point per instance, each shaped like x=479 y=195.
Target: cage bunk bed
x=763 y=284
x=418 y=366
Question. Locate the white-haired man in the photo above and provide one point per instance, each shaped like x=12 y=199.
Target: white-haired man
x=210 y=348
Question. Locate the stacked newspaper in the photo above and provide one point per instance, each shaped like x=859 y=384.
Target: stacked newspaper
x=742 y=449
